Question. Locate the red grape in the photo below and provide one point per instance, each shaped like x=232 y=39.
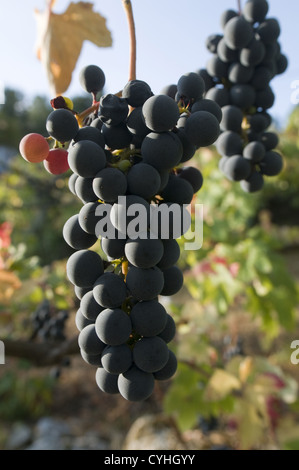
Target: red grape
x=57 y=161
x=34 y=148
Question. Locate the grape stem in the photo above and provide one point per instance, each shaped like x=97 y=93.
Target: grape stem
x=239 y=7
x=129 y=13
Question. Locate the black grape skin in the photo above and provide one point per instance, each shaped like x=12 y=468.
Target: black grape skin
x=89 y=307
x=143 y=180
x=109 y=290
x=117 y=359
x=237 y=33
x=107 y=382
x=75 y=236
x=109 y=184
x=255 y=11
x=190 y=87
x=145 y=284
x=150 y=354
x=193 y=176
x=89 y=341
x=92 y=79
x=113 y=326
x=160 y=113
x=136 y=385
x=169 y=369
x=148 y=318
x=144 y=253
x=136 y=92
x=86 y=158
x=76 y=268
x=202 y=128
x=162 y=150
x=173 y=281
x=62 y=125
x=171 y=254
x=178 y=191
x=253 y=183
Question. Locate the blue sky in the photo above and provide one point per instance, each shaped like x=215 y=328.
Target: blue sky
x=171 y=38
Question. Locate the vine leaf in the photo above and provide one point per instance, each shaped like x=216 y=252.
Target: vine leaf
x=8 y=284
x=60 y=38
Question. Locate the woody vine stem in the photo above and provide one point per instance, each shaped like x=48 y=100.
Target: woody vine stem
x=239 y=7
x=132 y=33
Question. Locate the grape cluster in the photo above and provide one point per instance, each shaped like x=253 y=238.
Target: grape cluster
x=246 y=57
x=48 y=323
x=128 y=153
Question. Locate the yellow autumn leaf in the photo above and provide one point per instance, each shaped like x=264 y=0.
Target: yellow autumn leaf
x=60 y=38
x=220 y=385
x=8 y=284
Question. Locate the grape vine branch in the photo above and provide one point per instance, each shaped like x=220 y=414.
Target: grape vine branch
x=127 y=5
x=239 y=7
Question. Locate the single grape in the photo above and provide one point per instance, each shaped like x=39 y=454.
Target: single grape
x=136 y=92
x=109 y=290
x=255 y=11
x=114 y=248
x=254 y=151
x=135 y=384
x=145 y=284
x=117 y=359
x=173 y=280
x=229 y=143
x=253 y=183
x=148 y=318
x=86 y=158
x=218 y=94
x=163 y=151
x=75 y=236
x=113 y=326
x=109 y=184
x=237 y=33
x=84 y=189
x=92 y=79
x=169 y=369
x=84 y=267
x=89 y=307
x=62 y=125
x=144 y=252
x=34 y=148
x=56 y=162
x=193 y=176
x=143 y=180
x=112 y=109
x=89 y=341
x=81 y=321
x=150 y=354
x=202 y=128
x=107 y=382
x=232 y=118
x=190 y=87
x=160 y=113
x=168 y=333
x=272 y=164
x=171 y=254
x=178 y=191
x=237 y=168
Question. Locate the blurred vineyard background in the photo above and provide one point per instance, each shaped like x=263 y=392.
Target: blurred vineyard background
x=237 y=315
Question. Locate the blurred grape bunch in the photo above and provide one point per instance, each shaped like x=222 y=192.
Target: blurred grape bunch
x=60 y=38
